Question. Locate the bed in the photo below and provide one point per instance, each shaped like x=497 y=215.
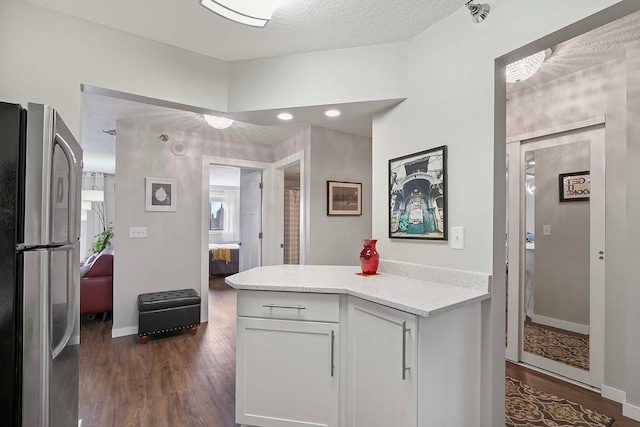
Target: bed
x=223 y=258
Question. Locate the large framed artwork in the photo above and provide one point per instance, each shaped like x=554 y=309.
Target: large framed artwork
x=344 y=198
x=161 y=195
x=418 y=195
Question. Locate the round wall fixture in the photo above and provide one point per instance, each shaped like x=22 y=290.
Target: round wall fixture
x=179 y=148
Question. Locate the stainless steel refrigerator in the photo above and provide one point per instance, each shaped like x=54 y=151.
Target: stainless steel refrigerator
x=40 y=183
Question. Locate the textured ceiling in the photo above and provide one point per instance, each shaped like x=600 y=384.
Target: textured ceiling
x=297 y=25
x=585 y=51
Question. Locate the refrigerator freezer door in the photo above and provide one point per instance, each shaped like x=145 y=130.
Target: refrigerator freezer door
x=53 y=180
x=12 y=124
x=50 y=379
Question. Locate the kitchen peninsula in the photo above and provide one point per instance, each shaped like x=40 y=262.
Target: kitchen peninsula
x=325 y=346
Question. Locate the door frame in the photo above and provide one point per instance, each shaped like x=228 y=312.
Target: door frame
x=516 y=254
x=267 y=213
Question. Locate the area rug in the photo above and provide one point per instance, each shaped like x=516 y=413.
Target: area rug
x=527 y=406
x=557 y=346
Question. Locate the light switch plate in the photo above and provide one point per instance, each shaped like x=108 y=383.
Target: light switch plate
x=137 y=232
x=546 y=230
x=457 y=237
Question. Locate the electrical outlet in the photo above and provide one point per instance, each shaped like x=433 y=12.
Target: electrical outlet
x=457 y=237
x=546 y=230
x=137 y=232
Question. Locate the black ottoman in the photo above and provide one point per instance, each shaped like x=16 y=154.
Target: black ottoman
x=167 y=311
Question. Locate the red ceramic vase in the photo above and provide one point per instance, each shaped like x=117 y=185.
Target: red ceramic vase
x=369 y=257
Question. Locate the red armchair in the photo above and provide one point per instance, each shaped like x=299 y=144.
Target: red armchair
x=96 y=285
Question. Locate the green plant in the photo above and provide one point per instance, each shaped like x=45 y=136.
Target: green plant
x=103 y=240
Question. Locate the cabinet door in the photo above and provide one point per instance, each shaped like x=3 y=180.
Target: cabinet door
x=287 y=373
x=381 y=366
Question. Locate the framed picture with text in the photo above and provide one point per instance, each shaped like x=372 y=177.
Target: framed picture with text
x=574 y=186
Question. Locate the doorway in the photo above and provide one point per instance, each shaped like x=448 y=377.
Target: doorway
x=292 y=212
x=556 y=238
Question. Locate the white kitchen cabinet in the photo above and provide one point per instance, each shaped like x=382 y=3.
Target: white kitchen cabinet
x=286 y=370
x=381 y=366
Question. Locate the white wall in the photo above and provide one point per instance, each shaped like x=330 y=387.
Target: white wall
x=338 y=156
x=169 y=258
x=318 y=78
x=451 y=100
x=632 y=318
x=45 y=56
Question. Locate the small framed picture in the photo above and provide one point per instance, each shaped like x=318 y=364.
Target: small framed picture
x=161 y=195
x=418 y=195
x=574 y=186
x=344 y=198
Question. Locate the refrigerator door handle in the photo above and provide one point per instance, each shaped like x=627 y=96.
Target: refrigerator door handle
x=71 y=258
x=71 y=298
x=73 y=196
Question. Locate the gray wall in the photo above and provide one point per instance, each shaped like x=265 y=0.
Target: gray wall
x=169 y=258
x=561 y=287
x=597 y=91
x=338 y=156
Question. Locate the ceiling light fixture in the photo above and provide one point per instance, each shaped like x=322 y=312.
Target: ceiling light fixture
x=525 y=68
x=332 y=113
x=255 y=13
x=479 y=12
x=285 y=116
x=218 y=122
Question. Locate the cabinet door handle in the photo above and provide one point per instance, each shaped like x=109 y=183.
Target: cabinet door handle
x=333 y=345
x=405 y=368
x=292 y=307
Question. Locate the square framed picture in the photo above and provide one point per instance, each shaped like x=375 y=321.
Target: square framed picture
x=418 y=195
x=574 y=186
x=161 y=195
x=344 y=198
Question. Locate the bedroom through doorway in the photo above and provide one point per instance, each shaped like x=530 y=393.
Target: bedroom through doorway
x=235 y=219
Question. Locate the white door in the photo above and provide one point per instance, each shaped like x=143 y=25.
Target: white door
x=556 y=254
x=381 y=366
x=250 y=219
x=287 y=373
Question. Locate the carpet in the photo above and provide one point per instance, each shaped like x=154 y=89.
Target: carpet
x=557 y=346
x=527 y=406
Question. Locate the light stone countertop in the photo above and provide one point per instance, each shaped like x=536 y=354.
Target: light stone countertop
x=420 y=297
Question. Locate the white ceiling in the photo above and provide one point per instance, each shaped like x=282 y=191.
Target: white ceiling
x=297 y=25
x=585 y=51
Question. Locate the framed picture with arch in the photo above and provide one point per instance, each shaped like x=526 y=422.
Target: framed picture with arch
x=418 y=195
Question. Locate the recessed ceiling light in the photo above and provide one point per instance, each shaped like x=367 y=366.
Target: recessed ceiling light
x=285 y=116
x=332 y=113
x=218 y=122
x=248 y=12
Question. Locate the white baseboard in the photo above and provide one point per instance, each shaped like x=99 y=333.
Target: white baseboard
x=614 y=394
x=631 y=411
x=123 y=332
x=561 y=324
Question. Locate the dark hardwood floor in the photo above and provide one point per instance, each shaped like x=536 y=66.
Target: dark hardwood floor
x=183 y=380
x=174 y=380
x=586 y=398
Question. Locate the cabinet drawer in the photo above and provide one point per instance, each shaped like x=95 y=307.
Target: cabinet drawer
x=289 y=305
